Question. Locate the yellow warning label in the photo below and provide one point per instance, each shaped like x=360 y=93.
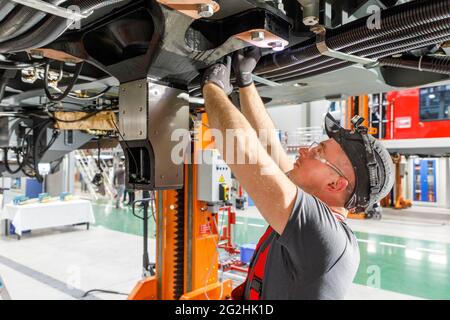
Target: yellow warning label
x=222 y=179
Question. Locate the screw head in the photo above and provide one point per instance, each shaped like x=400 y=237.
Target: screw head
x=277 y=46
x=205 y=10
x=70 y=63
x=257 y=36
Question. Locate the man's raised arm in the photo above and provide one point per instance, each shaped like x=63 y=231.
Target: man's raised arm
x=253 y=108
x=273 y=193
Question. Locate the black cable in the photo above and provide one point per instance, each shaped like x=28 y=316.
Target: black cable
x=145 y=201
x=69 y=88
x=25 y=154
x=99 y=167
x=6 y=161
x=55 y=164
x=121 y=136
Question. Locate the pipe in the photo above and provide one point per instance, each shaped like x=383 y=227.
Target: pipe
x=5 y=8
x=51 y=28
x=20 y=20
x=436 y=64
x=387 y=43
x=337 y=65
x=394 y=20
x=376 y=53
x=14 y=65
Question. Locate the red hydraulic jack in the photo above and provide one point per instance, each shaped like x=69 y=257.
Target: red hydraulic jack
x=227 y=242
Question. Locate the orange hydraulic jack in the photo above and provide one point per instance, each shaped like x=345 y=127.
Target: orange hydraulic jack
x=400 y=201
x=186 y=241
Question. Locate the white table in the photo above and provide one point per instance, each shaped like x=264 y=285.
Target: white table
x=48 y=215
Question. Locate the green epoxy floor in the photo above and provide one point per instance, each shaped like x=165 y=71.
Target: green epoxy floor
x=408 y=266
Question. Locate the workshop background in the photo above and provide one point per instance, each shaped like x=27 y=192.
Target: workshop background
x=92 y=205
x=404 y=245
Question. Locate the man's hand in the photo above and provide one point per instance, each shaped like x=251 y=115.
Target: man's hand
x=244 y=62
x=219 y=74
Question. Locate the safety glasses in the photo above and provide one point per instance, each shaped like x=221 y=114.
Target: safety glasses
x=316 y=151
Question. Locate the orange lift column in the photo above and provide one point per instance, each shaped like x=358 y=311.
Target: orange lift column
x=187 y=240
x=202 y=261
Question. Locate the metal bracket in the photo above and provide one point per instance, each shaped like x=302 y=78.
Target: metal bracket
x=323 y=48
x=54 y=10
x=149 y=113
x=196 y=9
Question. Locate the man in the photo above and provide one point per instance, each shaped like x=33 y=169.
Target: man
x=119 y=183
x=308 y=252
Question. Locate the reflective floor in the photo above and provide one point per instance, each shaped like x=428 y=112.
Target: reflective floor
x=397 y=255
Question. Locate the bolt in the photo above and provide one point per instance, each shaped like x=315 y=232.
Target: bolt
x=258 y=36
x=37 y=54
x=205 y=10
x=277 y=46
x=70 y=63
x=140 y=109
x=140 y=133
x=310 y=21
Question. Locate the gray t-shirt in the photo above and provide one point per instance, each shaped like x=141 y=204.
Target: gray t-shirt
x=316 y=257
